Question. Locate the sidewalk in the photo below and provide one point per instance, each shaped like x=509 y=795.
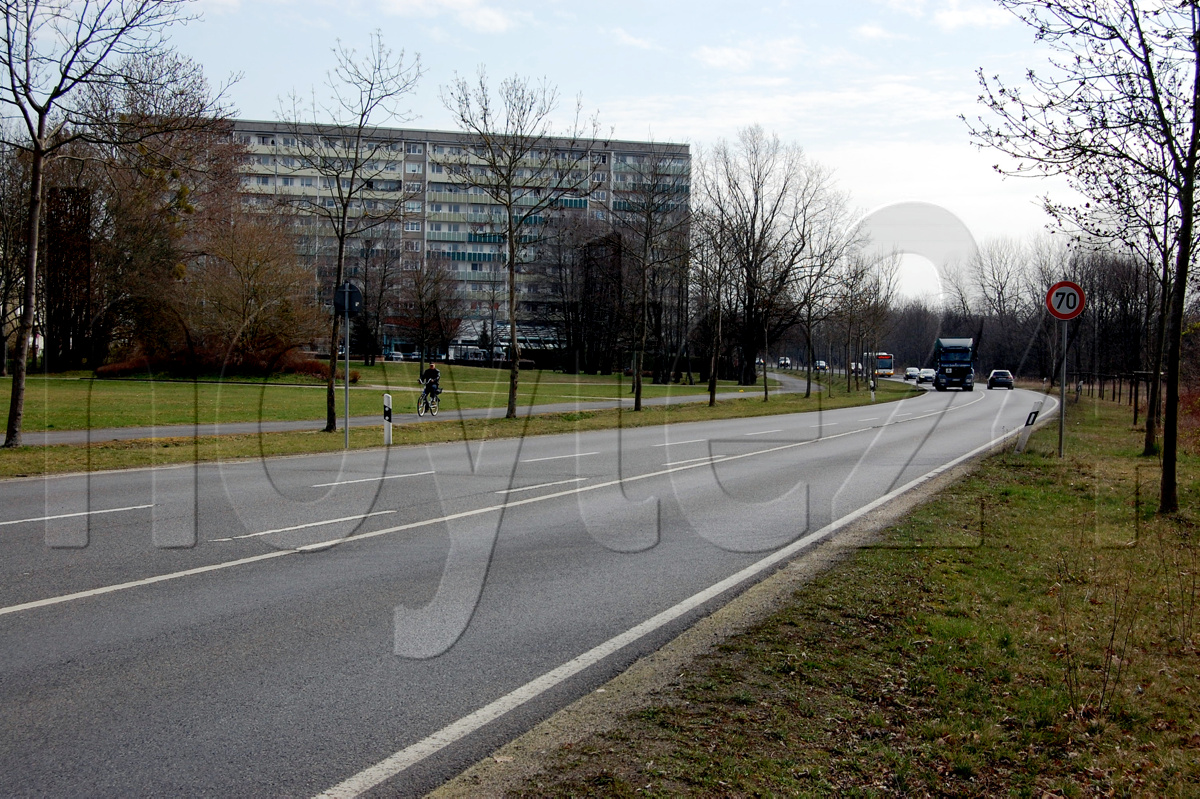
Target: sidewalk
x=788 y=384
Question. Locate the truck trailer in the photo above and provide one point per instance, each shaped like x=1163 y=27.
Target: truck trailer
x=954 y=360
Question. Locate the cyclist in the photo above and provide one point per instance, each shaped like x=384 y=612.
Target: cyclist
x=430 y=379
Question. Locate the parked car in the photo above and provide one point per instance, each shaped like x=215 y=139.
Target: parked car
x=394 y=355
x=912 y=373
x=926 y=376
x=1000 y=378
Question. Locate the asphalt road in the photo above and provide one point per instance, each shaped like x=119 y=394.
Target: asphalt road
x=373 y=623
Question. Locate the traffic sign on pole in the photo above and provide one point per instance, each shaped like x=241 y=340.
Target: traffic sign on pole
x=1065 y=300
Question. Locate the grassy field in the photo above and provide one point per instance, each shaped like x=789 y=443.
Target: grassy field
x=77 y=402
x=1031 y=632
x=27 y=461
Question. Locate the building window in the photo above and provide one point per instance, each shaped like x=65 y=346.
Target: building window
x=412 y=245
x=599 y=177
x=413 y=226
x=438 y=168
x=412 y=206
x=414 y=149
x=599 y=158
x=267 y=140
x=263 y=180
x=288 y=141
x=600 y=195
x=307 y=181
x=414 y=167
x=601 y=215
x=413 y=185
x=289 y=181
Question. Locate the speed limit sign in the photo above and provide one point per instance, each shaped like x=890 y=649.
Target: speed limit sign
x=1065 y=300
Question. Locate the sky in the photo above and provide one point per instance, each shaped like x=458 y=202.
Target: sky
x=872 y=89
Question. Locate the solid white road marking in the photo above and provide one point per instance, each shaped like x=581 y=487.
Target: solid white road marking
x=542 y=485
x=384 y=770
x=869 y=419
x=673 y=443
x=762 y=432
x=691 y=460
x=306 y=525
x=371 y=479
x=71 y=515
x=558 y=457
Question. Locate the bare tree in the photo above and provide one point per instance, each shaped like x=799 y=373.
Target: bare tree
x=651 y=212
x=1120 y=95
x=14 y=204
x=338 y=139
x=430 y=307
x=764 y=194
x=249 y=298
x=520 y=163
x=57 y=59
x=711 y=272
x=832 y=241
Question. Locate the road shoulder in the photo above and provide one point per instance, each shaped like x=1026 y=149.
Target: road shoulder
x=510 y=767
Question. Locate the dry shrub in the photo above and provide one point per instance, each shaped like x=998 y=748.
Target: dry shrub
x=1189 y=420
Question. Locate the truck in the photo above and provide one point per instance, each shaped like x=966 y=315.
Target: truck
x=954 y=362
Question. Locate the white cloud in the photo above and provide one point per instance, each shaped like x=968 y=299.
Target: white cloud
x=971 y=14
x=735 y=58
x=778 y=54
x=913 y=8
x=476 y=15
x=624 y=37
x=873 y=32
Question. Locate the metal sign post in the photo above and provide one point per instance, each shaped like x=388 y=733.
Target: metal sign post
x=387 y=420
x=1064 y=301
x=347 y=299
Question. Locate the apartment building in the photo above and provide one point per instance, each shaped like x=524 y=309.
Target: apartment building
x=426 y=183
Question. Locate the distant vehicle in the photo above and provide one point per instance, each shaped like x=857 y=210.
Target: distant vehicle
x=1000 y=378
x=926 y=376
x=954 y=358
x=394 y=355
x=784 y=362
x=820 y=366
x=912 y=373
x=856 y=368
x=882 y=363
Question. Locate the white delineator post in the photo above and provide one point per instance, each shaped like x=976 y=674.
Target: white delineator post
x=387 y=420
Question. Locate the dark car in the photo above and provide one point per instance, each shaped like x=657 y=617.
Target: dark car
x=1000 y=378
x=926 y=376
x=912 y=373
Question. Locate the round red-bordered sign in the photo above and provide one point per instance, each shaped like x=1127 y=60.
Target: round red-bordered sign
x=1065 y=300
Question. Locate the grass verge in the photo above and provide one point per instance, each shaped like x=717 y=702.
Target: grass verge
x=29 y=461
x=1030 y=632
x=76 y=401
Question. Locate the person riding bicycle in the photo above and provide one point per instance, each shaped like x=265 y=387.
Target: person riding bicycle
x=430 y=379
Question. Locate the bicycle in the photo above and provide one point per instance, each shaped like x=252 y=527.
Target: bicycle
x=428 y=401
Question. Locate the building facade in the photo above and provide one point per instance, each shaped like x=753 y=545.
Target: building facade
x=419 y=197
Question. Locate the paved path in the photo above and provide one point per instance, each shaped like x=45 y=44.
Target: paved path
x=788 y=384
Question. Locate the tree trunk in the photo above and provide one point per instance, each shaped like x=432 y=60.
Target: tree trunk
x=330 y=397
x=16 y=405
x=514 y=368
x=1169 y=496
x=1154 y=387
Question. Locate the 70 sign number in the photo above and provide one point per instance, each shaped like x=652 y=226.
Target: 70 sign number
x=1065 y=300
